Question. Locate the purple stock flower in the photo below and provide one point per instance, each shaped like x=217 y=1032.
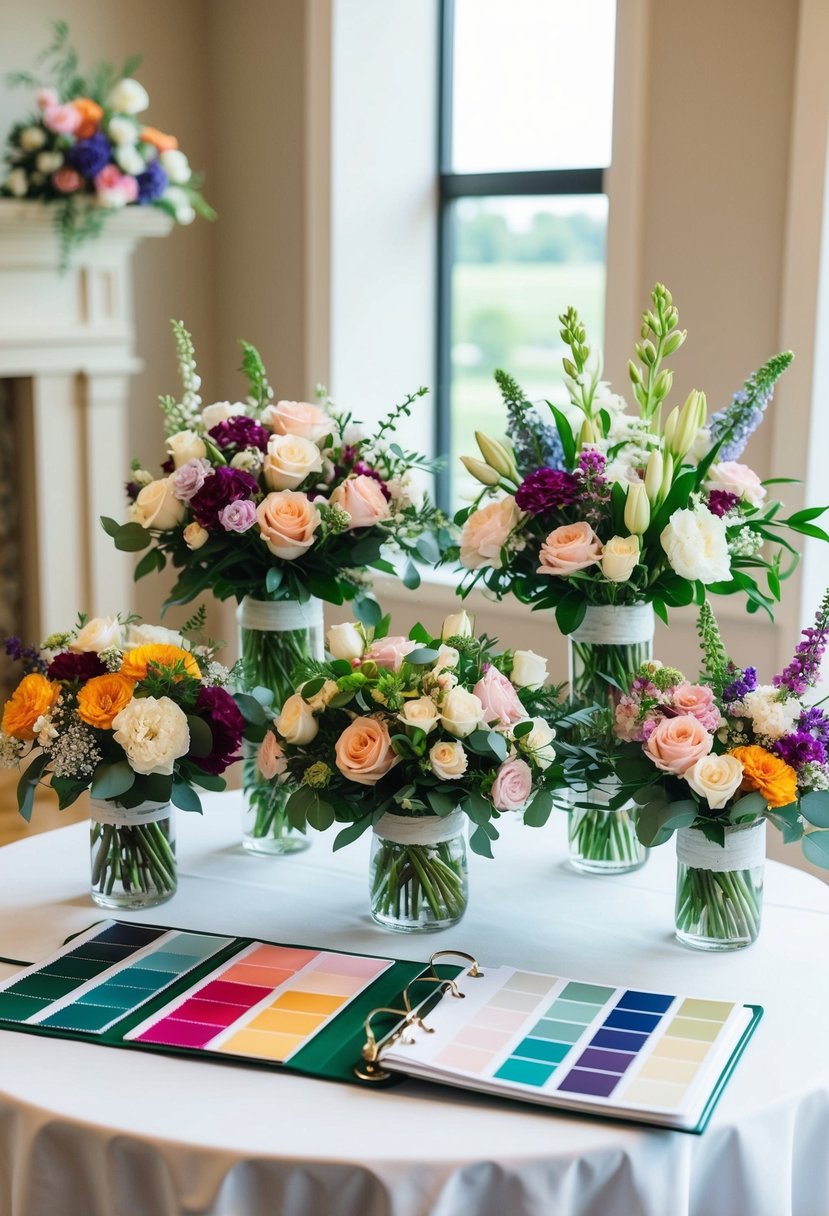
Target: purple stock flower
x=804 y=668
x=816 y=722
x=800 y=748
x=744 y=682
x=189 y=478
x=89 y=156
x=27 y=655
x=546 y=489
x=151 y=183
x=222 y=487
x=240 y=432
x=238 y=516
x=592 y=465
x=720 y=502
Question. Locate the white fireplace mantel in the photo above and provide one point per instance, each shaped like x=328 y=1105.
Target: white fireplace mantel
x=67 y=346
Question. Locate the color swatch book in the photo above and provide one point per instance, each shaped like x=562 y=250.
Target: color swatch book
x=652 y=1057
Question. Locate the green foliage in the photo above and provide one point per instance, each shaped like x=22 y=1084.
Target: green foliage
x=715 y=660
x=254 y=371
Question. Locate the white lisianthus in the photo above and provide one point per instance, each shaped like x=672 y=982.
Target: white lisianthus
x=529 y=670
x=249 y=460
x=153 y=732
x=461 y=712
x=176 y=165
x=129 y=159
x=32 y=138
x=157 y=506
x=772 y=713
x=122 y=130
x=290 y=459
x=49 y=162
x=128 y=97
x=17 y=183
x=220 y=411
x=695 y=543
x=296 y=722
x=195 y=535
x=153 y=635
x=715 y=778
x=538 y=743
x=422 y=712
x=457 y=625
x=346 y=641
x=184 y=446
x=98 y=634
x=448 y=760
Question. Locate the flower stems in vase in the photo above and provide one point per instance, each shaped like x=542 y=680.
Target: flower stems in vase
x=418 y=886
x=133 y=864
x=604 y=841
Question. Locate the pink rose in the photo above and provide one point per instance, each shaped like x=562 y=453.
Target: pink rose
x=512 y=786
x=364 y=752
x=46 y=98
x=67 y=180
x=271 y=759
x=697 y=700
x=390 y=652
x=238 y=516
x=677 y=743
x=734 y=478
x=114 y=188
x=287 y=520
x=502 y=706
x=487 y=531
x=298 y=418
x=363 y=499
x=63 y=120
x=569 y=548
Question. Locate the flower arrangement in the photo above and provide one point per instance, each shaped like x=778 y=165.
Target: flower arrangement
x=604 y=506
x=87 y=153
x=133 y=713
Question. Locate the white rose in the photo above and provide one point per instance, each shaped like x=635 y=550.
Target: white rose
x=99 y=634
x=176 y=165
x=346 y=641
x=457 y=625
x=772 y=713
x=538 y=743
x=296 y=722
x=154 y=635
x=321 y=699
x=739 y=479
x=128 y=97
x=184 y=446
x=448 y=760
x=529 y=670
x=49 y=162
x=421 y=712
x=32 y=138
x=448 y=657
x=129 y=159
x=157 y=506
x=195 y=535
x=462 y=712
x=122 y=130
x=220 y=411
x=153 y=732
x=17 y=183
x=715 y=778
x=289 y=460
x=696 y=546
x=619 y=558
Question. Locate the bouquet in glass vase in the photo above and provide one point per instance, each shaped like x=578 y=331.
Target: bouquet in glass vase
x=137 y=715
x=409 y=738
x=713 y=761
x=279 y=505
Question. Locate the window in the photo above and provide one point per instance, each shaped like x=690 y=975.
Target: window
x=525 y=136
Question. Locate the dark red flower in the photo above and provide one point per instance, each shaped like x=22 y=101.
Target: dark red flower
x=547 y=489
x=222 y=487
x=720 y=502
x=71 y=666
x=240 y=432
x=222 y=715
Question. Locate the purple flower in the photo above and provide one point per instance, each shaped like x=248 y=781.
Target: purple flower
x=27 y=655
x=720 y=502
x=816 y=722
x=744 y=682
x=222 y=487
x=238 y=516
x=799 y=749
x=592 y=464
x=71 y=666
x=151 y=183
x=90 y=156
x=804 y=668
x=226 y=724
x=547 y=489
x=240 y=432
x=189 y=478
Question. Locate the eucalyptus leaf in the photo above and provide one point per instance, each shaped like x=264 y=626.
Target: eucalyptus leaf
x=320 y=814
x=479 y=843
x=353 y=832
x=816 y=848
x=538 y=812
x=814 y=807
x=111 y=779
x=201 y=737
x=28 y=784
x=185 y=797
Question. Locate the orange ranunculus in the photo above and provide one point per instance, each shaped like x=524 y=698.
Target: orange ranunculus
x=102 y=697
x=34 y=696
x=136 y=661
x=767 y=774
x=91 y=115
x=158 y=139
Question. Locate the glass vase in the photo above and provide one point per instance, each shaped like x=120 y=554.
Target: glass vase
x=133 y=854
x=418 y=876
x=273 y=638
x=603 y=841
x=719 y=888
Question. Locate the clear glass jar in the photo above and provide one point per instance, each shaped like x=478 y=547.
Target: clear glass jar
x=603 y=841
x=719 y=888
x=418 y=875
x=273 y=638
x=133 y=854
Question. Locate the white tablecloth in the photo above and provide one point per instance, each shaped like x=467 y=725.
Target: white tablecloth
x=88 y=1131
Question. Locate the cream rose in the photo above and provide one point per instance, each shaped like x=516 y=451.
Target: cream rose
x=538 y=743
x=296 y=722
x=457 y=625
x=677 y=743
x=461 y=712
x=289 y=460
x=220 y=411
x=101 y=633
x=448 y=760
x=128 y=97
x=619 y=558
x=739 y=479
x=346 y=641
x=421 y=712
x=184 y=446
x=153 y=732
x=363 y=499
x=529 y=670
x=195 y=535
x=696 y=546
x=486 y=533
x=569 y=548
x=715 y=778
x=154 y=635
x=298 y=418
x=364 y=752
x=271 y=759
x=157 y=506
x=287 y=521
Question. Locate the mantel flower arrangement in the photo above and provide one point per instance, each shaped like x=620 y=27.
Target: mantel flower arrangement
x=86 y=151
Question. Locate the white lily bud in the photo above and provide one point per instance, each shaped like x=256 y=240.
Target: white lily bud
x=497 y=456
x=637 y=509
x=653 y=475
x=458 y=625
x=480 y=471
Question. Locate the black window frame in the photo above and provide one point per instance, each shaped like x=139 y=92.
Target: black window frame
x=451 y=187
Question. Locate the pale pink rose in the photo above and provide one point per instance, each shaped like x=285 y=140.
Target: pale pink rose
x=271 y=759
x=364 y=752
x=298 y=418
x=114 y=188
x=287 y=521
x=739 y=479
x=501 y=703
x=487 y=531
x=67 y=180
x=363 y=499
x=697 y=700
x=46 y=98
x=677 y=743
x=512 y=786
x=569 y=548
x=63 y=120
x=390 y=652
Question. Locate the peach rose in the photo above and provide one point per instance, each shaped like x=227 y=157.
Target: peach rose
x=487 y=531
x=271 y=759
x=287 y=521
x=390 y=652
x=569 y=548
x=697 y=700
x=363 y=499
x=677 y=743
x=298 y=418
x=90 y=115
x=364 y=752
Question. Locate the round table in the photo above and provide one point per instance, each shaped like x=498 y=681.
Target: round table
x=89 y=1131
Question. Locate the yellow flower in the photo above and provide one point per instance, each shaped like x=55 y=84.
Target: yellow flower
x=102 y=698
x=767 y=774
x=33 y=697
x=136 y=661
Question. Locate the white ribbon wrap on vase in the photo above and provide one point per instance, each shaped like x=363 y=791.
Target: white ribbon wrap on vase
x=128 y=816
x=744 y=849
x=419 y=829
x=615 y=625
x=281 y=616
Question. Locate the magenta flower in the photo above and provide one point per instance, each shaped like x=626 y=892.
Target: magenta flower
x=720 y=502
x=545 y=490
x=224 y=486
